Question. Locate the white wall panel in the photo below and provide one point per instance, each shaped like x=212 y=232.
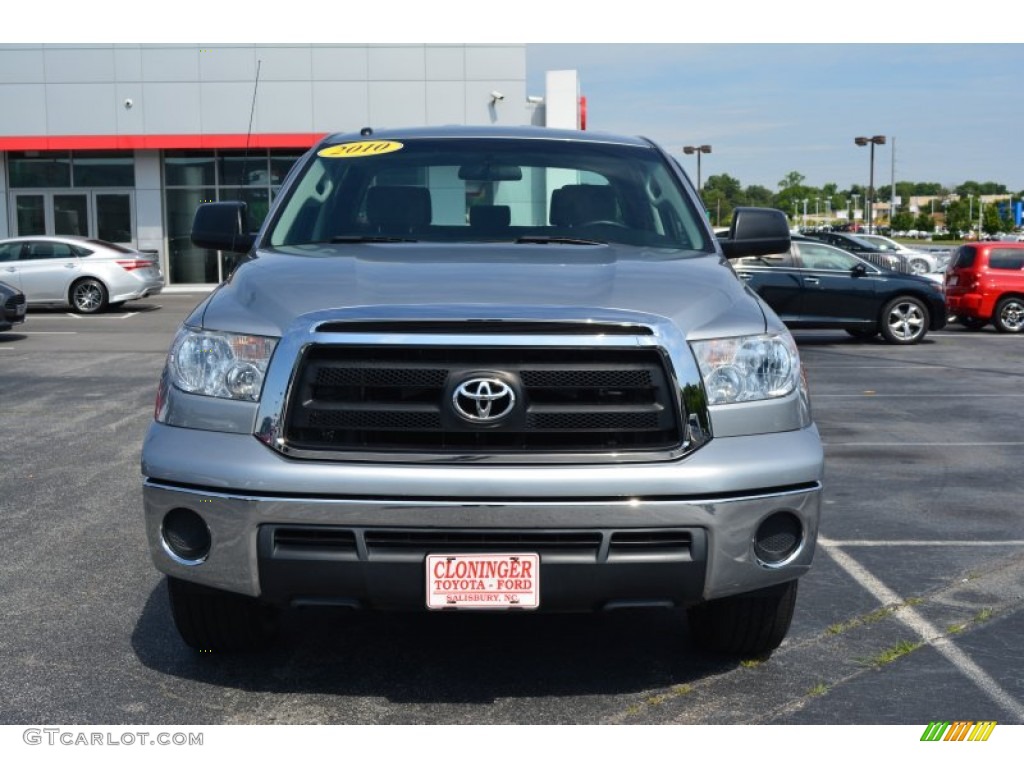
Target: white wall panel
x=445 y=62
x=397 y=104
x=284 y=107
x=81 y=109
x=446 y=103
x=397 y=63
x=285 y=63
x=170 y=64
x=22 y=65
x=172 y=107
x=225 y=107
x=79 y=65
x=127 y=63
x=24 y=110
x=227 y=63
x=341 y=63
x=497 y=62
x=340 y=106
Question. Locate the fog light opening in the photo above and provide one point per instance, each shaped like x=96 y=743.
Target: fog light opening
x=185 y=537
x=779 y=539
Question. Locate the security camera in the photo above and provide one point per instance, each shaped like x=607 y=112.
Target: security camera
x=497 y=96
x=128 y=103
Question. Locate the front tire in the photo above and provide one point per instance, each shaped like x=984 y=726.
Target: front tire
x=88 y=296
x=212 y=620
x=749 y=625
x=904 y=320
x=1009 y=315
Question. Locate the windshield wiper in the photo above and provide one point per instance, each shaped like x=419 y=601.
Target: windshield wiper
x=542 y=239
x=371 y=239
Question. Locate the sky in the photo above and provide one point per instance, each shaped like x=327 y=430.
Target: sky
x=956 y=111
x=772 y=87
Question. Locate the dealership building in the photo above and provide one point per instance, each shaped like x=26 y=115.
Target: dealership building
x=121 y=142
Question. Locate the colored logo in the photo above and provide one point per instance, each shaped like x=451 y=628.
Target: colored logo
x=361 y=149
x=958 y=730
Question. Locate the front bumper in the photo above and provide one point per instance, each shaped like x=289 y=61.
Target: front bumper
x=717 y=497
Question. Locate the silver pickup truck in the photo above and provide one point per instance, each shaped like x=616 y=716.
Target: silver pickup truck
x=465 y=369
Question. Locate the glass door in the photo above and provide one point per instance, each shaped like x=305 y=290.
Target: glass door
x=71 y=214
x=91 y=213
x=30 y=214
x=113 y=216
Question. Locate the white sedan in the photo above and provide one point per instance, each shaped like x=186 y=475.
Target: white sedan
x=87 y=275
x=918 y=262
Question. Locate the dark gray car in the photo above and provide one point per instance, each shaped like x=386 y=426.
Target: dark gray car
x=484 y=369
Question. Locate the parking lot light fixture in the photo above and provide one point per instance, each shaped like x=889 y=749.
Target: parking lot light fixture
x=698 y=150
x=864 y=141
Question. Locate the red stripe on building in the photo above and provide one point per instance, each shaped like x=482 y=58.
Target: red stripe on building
x=162 y=141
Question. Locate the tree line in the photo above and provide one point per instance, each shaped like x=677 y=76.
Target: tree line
x=959 y=209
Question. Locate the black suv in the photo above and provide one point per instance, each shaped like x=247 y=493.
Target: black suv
x=815 y=285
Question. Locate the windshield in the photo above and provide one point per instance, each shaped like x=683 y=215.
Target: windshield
x=476 y=190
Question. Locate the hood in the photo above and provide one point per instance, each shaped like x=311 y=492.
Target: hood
x=698 y=292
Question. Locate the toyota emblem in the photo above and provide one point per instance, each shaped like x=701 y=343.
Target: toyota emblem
x=483 y=400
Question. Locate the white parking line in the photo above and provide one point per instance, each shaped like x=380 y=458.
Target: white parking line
x=48 y=333
x=928 y=633
x=102 y=317
x=920 y=395
x=902 y=443
x=937 y=543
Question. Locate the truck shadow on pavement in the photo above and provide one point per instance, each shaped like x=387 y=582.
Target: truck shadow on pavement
x=442 y=658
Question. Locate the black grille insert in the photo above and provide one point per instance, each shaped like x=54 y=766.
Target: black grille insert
x=396 y=398
x=331 y=542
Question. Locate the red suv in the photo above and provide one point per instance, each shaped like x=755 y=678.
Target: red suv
x=985 y=283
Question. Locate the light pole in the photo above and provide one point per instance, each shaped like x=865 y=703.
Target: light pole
x=702 y=149
x=863 y=141
x=853 y=213
x=805 y=213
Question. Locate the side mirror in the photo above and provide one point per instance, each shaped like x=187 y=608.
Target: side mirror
x=859 y=270
x=223 y=227
x=756 y=232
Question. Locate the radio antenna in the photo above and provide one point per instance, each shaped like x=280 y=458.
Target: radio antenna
x=248 y=135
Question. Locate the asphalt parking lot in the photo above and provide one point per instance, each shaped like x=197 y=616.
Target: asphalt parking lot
x=912 y=613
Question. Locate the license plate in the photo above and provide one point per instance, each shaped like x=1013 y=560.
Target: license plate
x=483 y=581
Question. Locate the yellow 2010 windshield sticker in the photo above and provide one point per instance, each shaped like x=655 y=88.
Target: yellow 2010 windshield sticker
x=361 y=149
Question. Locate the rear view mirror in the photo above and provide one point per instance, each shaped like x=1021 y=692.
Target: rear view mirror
x=490 y=172
x=222 y=226
x=756 y=232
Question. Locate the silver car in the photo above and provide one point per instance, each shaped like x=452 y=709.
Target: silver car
x=87 y=275
x=918 y=262
x=484 y=368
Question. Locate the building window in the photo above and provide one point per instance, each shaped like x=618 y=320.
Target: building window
x=60 y=170
x=192 y=177
x=37 y=170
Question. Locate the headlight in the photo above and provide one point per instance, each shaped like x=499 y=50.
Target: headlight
x=219 y=364
x=747 y=368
